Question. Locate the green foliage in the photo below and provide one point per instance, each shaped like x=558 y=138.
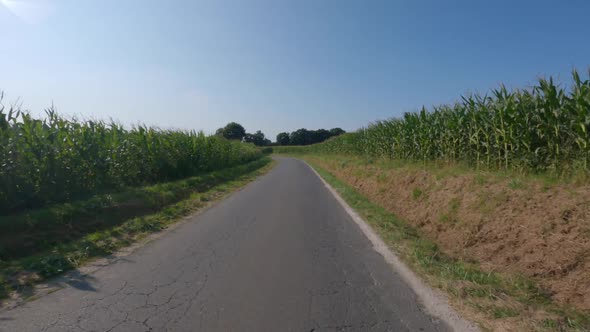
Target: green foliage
x=541 y=129
x=336 y=132
x=51 y=265
x=283 y=139
x=306 y=137
x=55 y=159
x=257 y=139
x=501 y=312
x=266 y=150
x=417 y=193
x=4 y=288
x=232 y=131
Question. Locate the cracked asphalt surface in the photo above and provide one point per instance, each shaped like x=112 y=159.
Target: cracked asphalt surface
x=279 y=255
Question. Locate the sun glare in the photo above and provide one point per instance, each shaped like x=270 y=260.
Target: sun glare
x=29 y=11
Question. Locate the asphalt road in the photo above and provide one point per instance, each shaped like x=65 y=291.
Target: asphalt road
x=279 y=255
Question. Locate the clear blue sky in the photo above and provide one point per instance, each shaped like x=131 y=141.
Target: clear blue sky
x=278 y=65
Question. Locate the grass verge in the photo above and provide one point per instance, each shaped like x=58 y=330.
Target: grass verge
x=496 y=301
x=48 y=242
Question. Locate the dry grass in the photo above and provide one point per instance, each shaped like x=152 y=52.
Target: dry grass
x=479 y=237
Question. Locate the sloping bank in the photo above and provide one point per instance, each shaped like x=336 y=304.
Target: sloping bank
x=38 y=244
x=513 y=252
x=513 y=249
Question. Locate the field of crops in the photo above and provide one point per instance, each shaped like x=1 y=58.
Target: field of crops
x=543 y=128
x=56 y=159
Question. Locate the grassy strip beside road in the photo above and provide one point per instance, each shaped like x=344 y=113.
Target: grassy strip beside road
x=40 y=244
x=495 y=300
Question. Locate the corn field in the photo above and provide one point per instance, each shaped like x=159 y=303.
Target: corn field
x=56 y=159
x=544 y=128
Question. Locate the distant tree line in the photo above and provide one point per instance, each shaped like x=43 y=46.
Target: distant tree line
x=306 y=137
x=235 y=131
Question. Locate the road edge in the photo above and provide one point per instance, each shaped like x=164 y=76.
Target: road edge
x=435 y=302
x=61 y=281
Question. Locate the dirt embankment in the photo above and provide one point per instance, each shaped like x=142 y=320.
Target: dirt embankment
x=505 y=224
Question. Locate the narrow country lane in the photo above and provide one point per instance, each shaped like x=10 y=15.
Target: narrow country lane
x=279 y=255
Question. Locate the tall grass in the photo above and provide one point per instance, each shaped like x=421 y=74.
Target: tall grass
x=57 y=159
x=543 y=128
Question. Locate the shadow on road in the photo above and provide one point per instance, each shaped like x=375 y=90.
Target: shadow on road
x=80 y=281
x=75 y=279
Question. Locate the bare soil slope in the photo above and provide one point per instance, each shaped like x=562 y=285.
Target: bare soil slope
x=504 y=223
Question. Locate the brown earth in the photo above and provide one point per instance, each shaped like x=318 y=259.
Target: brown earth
x=504 y=223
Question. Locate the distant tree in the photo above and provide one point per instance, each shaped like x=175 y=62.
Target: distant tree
x=336 y=131
x=233 y=131
x=305 y=137
x=300 y=137
x=320 y=135
x=283 y=139
x=219 y=132
x=257 y=138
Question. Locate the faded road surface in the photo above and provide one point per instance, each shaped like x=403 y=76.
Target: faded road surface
x=280 y=255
